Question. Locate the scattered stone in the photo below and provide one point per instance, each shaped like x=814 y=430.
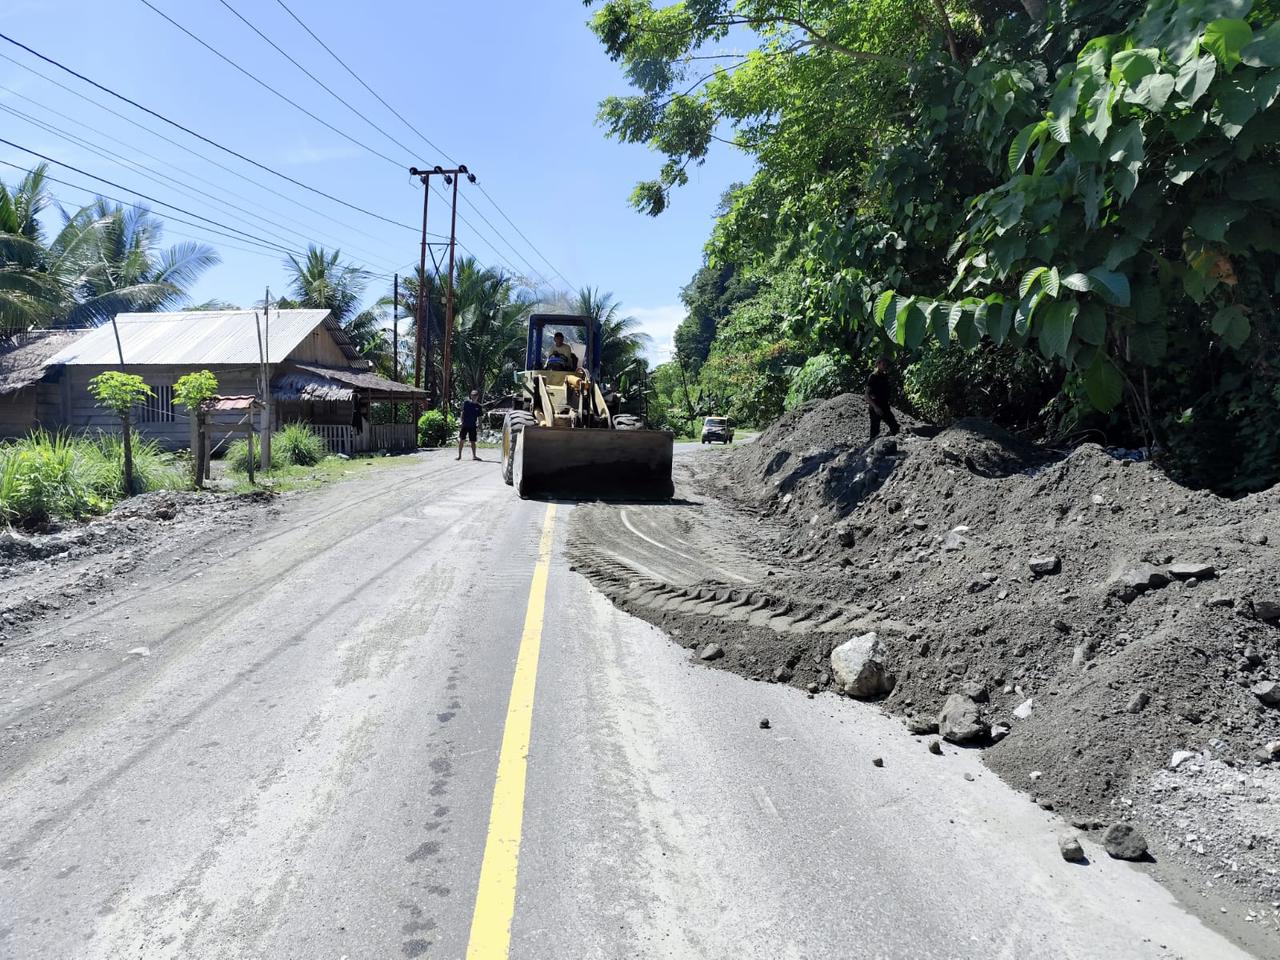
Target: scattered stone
x=959 y=721
x=1138 y=702
x=140 y=652
x=1221 y=600
x=1044 y=566
x=859 y=668
x=781 y=674
x=1070 y=848
x=1187 y=571
x=712 y=651
x=1023 y=710
x=969 y=777
x=1179 y=758
x=1044 y=803
x=877 y=761
x=1267 y=611
x=1132 y=581
x=1187 y=712
x=954 y=541
x=1268 y=692
x=764 y=723
x=1259 y=538
x=974 y=691
x=813 y=688
x=998 y=732
x=935 y=747
x=1124 y=841
x=921 y=726
x=1086 y=823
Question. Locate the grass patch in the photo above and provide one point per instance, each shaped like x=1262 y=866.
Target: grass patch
x=48 y=477
x=298 y=477
x=296 y=445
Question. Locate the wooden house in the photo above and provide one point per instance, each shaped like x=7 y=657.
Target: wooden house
x=316 y=376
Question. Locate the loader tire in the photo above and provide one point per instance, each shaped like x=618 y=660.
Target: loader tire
x=512 y=425
x=627 y=421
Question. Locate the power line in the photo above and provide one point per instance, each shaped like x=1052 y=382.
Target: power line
x=174 y=183
x=266 y=86
x=320 y=83
x=147 y=197
x=304 y=110
x=425 y=139
x=181 y=146
x=204 y=139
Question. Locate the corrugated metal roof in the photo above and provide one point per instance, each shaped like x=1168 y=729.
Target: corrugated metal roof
x=197 y=337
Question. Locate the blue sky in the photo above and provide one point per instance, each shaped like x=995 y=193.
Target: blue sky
x=508 y=87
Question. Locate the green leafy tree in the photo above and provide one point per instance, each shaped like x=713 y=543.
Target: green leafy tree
x=119 y=393
x=621 y=340
x=323 y=281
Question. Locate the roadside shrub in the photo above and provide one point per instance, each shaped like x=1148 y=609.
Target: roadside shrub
x=433 y=430
x=823 y=376
x=238 y=455
x=298 y=444
x=46 y=476
x=1004 y=384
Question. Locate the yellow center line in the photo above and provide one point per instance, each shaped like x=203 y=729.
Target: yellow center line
x=496 y=896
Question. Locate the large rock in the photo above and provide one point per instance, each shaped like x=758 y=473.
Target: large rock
x=1072 y=851
x=1044 y=566
x=1268 y=691
x=1124 y=841
x=858 y=667
x=1130 y=581
x=1185 y=570
x=1267 y=610
x=959 y=720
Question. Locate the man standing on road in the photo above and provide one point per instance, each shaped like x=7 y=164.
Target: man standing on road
x=879 y=391
x=470 y=423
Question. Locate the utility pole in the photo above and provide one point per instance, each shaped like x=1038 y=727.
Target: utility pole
x=422 y=336
x=455 y=175
x=265 y=443
x=450 y=178
x=395 y=341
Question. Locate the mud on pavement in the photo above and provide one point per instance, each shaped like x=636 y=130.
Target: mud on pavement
x=1111 y=637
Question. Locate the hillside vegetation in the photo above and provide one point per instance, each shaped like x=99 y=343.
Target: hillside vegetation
x=1061 y=216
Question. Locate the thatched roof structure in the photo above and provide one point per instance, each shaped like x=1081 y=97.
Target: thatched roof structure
x=24 y=356
x=305 y=381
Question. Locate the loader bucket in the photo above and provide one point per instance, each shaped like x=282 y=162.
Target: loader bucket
x=593 y=463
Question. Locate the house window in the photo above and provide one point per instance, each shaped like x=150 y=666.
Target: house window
x=157 y=408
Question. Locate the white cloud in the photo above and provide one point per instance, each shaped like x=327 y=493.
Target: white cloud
x=660 y=324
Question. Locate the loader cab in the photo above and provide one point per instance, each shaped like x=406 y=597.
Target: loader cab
x=582 y=334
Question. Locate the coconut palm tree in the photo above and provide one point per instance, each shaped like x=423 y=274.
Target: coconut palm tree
x=108 y=259
x=490 y=312
x=105 y=259
x=322 y=281
x=621 y=340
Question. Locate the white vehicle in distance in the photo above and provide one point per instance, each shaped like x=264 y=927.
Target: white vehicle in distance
x=717 y=428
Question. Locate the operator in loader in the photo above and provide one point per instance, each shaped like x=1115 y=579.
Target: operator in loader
x=561 y=350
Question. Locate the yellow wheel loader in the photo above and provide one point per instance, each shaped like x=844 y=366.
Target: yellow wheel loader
x=561 y=439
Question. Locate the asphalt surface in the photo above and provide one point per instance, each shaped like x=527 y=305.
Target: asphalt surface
x=292 y=751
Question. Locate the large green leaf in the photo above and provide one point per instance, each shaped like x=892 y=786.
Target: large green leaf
x=1113 y=287
x=1211 y=220
x=1029 y=279
x=1091 y=324
x=1194 y=78
x=1027 y=137
x=1000 y=320
x=1026 y=310
x=1134 y=66
x=1153 y=92
x=1264 y=51
x=883 y=303
x=1103 y=384
x=1056 y=321
x=1225 y=39
x=913 y=326
x=1232 y=325
x=935 y=318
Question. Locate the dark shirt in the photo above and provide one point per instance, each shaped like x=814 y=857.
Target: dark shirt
x=470 y=413
x=879 y=389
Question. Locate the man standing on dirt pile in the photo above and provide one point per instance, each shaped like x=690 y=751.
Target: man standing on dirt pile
x=879 y=391
x=470 y=423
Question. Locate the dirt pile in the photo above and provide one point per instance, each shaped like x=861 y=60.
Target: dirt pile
x=1087 y=618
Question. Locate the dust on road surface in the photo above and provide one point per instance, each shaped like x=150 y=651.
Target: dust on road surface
x=291 y=752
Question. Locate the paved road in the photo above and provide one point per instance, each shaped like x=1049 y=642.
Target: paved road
x=303 y=764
